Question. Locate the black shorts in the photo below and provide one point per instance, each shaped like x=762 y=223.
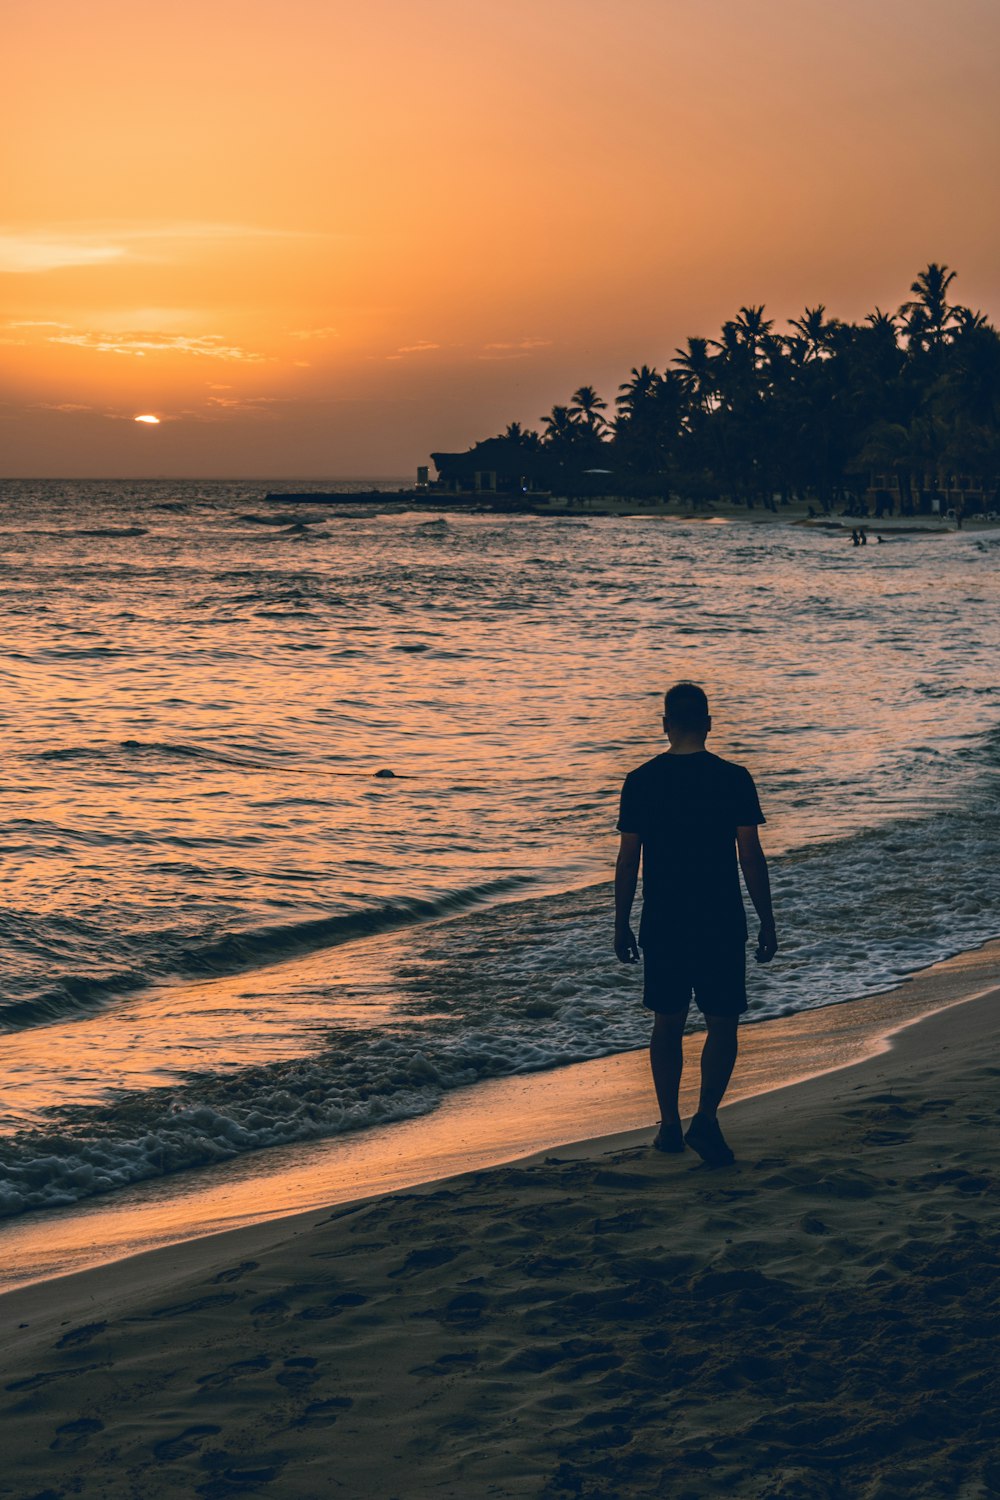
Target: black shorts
x=714 y=972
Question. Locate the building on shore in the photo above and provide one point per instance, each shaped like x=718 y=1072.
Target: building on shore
x=495 y=466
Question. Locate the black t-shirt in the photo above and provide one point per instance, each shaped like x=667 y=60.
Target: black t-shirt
x=686 y=809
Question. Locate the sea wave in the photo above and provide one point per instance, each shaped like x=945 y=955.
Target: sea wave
x=360 y=1079
x=124 y=749
x=110 y=531
x=76 y=995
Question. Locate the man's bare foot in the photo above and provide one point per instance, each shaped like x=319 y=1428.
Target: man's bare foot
x=705 y=1137
x=669 y=1138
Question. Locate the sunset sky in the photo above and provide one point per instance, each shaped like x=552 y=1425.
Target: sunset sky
x=321 y=238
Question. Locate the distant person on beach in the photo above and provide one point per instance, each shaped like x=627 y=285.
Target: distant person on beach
x=688 y=813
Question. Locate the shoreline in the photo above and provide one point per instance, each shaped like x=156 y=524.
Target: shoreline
x=760 y=515
x=796 y=513
x=550 y=1328
x=490 y=1124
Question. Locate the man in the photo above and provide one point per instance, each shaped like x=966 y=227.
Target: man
x=688 y=813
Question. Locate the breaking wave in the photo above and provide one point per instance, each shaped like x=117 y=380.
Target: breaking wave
x=76 y=995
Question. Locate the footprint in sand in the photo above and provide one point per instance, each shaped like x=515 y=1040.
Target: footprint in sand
x=332 y=1307
x=299 y=1373
x=608 y=1177
x=972 y=1184
x=467 y=1306
x=45 y=1377
x=200 y=1304
x=73 y=1435
x=188 y=1441
x=272 y=1310
x=238 y=1477
x=233 y=1273
x=448 y=1364
x=425 y=1260
x=323 y=1413
x=81 y=1335
x=218 y=1378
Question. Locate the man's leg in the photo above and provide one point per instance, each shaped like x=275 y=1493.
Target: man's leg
x=718 y=1058
x=666 y=1059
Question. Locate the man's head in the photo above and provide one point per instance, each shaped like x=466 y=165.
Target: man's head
x=686 y=719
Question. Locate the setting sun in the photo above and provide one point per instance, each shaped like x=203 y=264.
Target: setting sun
x=150 y=419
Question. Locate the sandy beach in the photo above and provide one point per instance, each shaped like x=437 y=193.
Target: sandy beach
x=818 y=1320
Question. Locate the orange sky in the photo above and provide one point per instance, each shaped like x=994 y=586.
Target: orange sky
x=320 y=237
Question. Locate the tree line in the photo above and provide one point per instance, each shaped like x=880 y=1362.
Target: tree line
x=816 y=413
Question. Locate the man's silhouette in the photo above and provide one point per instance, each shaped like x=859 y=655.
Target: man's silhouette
x=687 y=813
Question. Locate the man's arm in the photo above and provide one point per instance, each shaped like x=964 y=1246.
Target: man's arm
x=754 y=867
x=626 y=879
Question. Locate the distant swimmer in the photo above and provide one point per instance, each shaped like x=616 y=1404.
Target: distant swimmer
x=687 y=814
x=855 y=538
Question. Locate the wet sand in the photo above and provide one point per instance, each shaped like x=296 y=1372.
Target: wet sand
x=819 y=1320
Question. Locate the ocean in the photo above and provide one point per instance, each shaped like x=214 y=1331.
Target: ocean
x=200 y=687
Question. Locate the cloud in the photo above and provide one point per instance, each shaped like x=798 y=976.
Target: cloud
x=222 y=408
x=314 y=333
x=419 y=348
x=232 y=402
x=202 y=346
x=21 y=323
x=512 y=349
x=25 y=252
x=35 y=323
x=61 y=406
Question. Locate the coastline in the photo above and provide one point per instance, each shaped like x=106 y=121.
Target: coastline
x=797 y=513
x=787 y=515
x=550 y=1327
x=265 y=1194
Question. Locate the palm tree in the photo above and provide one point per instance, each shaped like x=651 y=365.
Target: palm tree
x=971 y=386
x=813 y=333
x=927 y=317
x=752 y=329
x=635 y=391
x=880 y=321
x=519 y=436
x=562 y=426
x=694 y=365
x=966 y=321
x=589 y=405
